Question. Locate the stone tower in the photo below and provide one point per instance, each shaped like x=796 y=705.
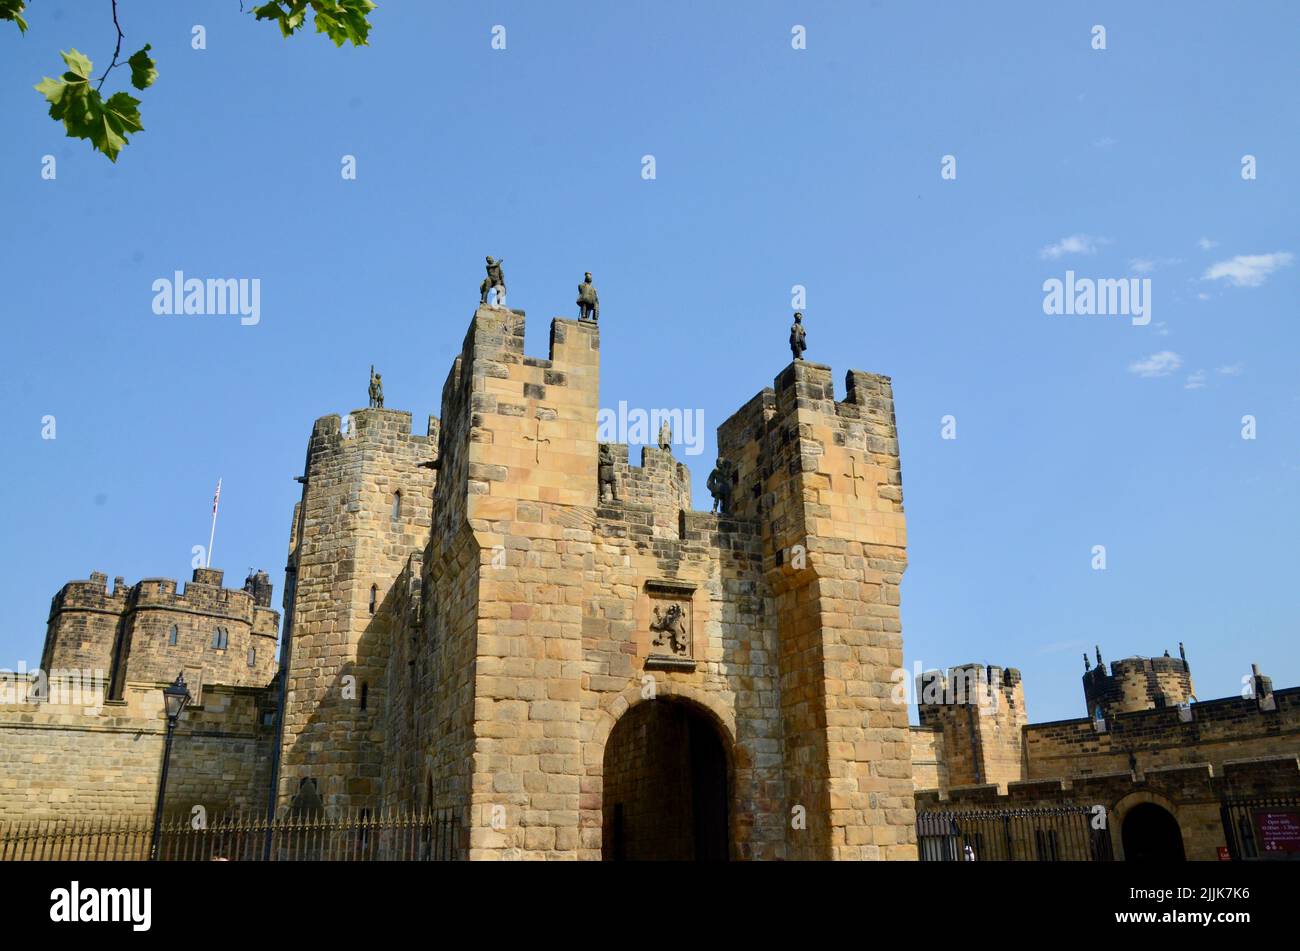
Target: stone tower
x=1137 y=683
x=981 y=712
x=822 y=479
x=365 y=507
x=574 y=674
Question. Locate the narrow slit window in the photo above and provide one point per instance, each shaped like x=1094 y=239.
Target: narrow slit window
x=173 y=636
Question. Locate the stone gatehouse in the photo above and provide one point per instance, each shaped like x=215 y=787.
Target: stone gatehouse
x=474 y=624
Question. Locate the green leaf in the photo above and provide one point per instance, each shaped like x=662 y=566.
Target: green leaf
x=12 y=10
x=354 y=16
x=85 y=114
x=343 y=21
x=289 y=17
x=143 y=69
x=78 y=64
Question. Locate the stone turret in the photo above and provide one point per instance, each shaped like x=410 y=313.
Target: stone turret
x=149 y=632
x=365 y=507
x=1137 y=683
x=981 y=712
x=822 y=478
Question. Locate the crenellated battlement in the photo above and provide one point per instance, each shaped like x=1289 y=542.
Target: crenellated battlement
x=556 y=575
x=980 y=711
x=980 y=685
x=1136 y=683
x=204 y=594
x=149 y=632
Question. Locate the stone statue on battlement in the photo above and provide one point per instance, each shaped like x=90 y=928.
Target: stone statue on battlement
x=588 y=300
x=798 y=337
x=376 y=389
x=719 y=486
x=666 y=436
x=605 y=473
x=495 y=280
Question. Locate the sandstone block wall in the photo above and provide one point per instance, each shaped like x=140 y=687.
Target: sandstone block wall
x=65 y=761
x=525 y=636
x=823 y=479
x=929 y=763
x=1220 y=730
x=366 y=507
x=981 y=714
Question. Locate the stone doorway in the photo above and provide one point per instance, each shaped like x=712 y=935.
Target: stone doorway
x=666 y=789
x=1151 y=834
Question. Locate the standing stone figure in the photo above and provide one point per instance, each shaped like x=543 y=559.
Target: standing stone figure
x=376 y=389
x=719 y=486
x=666 y=435
x=496 y=279
x=798 y=337
x=605 y=473
x=588 y=300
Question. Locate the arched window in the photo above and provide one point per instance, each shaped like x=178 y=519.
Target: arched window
x=374 y=597
x=220 y=638
x=173 y=636
x=397 y=504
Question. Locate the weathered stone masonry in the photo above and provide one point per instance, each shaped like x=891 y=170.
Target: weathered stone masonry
x=514 y=644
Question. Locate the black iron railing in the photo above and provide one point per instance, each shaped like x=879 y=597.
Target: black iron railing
x=347 y=836
x=1053 y=834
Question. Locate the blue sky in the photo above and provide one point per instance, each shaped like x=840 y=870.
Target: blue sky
x=775 y=167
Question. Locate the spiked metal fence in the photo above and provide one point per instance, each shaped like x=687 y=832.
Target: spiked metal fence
x=1054 y=834
x=348 y=836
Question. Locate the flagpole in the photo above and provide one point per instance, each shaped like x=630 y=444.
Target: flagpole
x=213 y=534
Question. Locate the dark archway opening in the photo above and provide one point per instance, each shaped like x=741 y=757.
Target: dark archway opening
x=1151 y=834
x=666 y=789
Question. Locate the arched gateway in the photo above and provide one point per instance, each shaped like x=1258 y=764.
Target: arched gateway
x=1151 y=834
x=666 y=785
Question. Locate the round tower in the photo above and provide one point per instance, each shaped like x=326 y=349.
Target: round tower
x=1137 y=683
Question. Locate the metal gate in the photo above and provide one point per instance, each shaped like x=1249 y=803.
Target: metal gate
x=1051 y=834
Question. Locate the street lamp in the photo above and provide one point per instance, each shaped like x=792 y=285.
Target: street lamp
x=176 y=696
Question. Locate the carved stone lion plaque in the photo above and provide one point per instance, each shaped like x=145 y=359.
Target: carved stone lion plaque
x=671 y=624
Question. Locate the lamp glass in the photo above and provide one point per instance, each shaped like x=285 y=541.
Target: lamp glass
x=176 y=696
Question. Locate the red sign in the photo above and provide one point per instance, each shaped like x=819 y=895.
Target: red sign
x=1279 y=830
x=1223 y=854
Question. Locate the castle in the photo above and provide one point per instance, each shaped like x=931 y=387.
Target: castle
x=503 y=619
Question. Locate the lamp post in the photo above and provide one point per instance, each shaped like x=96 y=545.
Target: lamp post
x=176 y=697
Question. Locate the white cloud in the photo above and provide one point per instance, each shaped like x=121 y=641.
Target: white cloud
x=1248 y=270
x=1105 y=142
x=1205 y=244
x=1196 y=381
x=1162 y=328
x=1202 y=296
x=1147 y=265
x=1158 y=364
x=1074 y=244
x=1232 y=369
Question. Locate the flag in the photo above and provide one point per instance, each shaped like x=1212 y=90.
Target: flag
x=216 y=498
